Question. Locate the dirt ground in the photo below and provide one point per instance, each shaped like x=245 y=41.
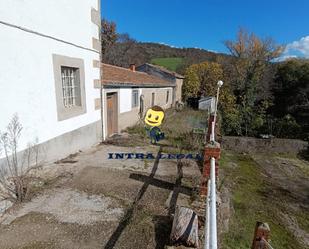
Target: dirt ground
x=90 y=201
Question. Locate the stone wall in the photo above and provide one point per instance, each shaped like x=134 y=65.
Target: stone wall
x=274 y=145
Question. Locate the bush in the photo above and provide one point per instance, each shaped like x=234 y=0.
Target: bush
x=286 y=127
x=15 y=172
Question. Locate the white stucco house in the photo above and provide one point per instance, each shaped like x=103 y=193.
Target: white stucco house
x=52 y=78
x=167 y=75
x=49 y=65
x=128 y=94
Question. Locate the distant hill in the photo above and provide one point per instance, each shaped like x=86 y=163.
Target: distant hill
x=125 y=53
x=171 y=63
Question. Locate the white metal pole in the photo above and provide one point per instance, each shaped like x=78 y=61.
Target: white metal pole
x=216 y=105
x=207 y=226
x=213 y=206
x=212 y=134
x=220 y=83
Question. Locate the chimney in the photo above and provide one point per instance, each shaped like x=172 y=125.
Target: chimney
x=132 y=67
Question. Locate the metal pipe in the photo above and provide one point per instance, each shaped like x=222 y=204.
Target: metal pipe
x=213 y=206
x=267 y=244
x=216 y=105
x=212 y=134
x=206 y=233
x=220 y=84
x=102 y=112
x=211 y=211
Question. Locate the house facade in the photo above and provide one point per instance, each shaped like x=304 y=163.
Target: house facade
x=128 y=94
x=50 y=64
x=167 y=75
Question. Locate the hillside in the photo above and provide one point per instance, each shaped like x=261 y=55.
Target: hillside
x=125 y=53
x=169 y=63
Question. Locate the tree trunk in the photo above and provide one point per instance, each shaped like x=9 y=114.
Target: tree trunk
x=185 y=227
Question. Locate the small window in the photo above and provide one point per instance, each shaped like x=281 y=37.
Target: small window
x=70 y=87
x=167 y=96
x=153 y=99
x=69 y=75
x=135 y=98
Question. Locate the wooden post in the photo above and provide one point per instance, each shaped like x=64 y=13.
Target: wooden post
x=185 y=227
x=261 y=232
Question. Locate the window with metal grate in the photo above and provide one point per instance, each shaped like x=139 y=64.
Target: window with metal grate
x=70 y=86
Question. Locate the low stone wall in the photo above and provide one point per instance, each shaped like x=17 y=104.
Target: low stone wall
x=274 y=145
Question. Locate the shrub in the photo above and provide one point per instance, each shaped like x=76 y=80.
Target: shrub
x=15 y=171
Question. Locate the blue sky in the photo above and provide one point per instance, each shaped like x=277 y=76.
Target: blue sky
x=207 y=23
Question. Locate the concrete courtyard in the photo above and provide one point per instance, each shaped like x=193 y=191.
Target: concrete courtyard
x=89 y=201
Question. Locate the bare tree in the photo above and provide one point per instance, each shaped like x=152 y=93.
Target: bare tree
x=15 y=171
x=109 y=36
x=124 y=52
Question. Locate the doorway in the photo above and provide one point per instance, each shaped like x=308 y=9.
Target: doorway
x=112 y=113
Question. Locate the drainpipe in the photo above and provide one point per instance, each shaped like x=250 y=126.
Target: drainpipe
x=101 y=77
x=174 y=96
x=102 y=112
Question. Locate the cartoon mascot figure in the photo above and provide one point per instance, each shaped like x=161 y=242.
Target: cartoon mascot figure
x=153 y=119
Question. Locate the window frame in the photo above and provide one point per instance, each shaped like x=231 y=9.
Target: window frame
x=63 y=112
x=135 y=104
x=70 y=87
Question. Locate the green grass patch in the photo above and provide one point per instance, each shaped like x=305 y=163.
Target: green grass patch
x=250 y=205
x=171 y=63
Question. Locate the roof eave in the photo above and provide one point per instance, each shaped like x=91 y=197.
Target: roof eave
x=130 y=84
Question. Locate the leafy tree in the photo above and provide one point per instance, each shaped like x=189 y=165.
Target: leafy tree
x=291 y=92
x=247 y=73
x=230 y=114
x=201 y=80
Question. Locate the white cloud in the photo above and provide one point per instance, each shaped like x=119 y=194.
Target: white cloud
x=285 y=57
x=166 y=44
x=298 y=48
x=210 y=50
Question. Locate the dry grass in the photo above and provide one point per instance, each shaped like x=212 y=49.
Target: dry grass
x=178 y=127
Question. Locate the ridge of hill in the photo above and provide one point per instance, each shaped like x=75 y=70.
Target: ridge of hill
x=125 y=53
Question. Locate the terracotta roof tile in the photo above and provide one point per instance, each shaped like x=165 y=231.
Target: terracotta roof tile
x=113 y=75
